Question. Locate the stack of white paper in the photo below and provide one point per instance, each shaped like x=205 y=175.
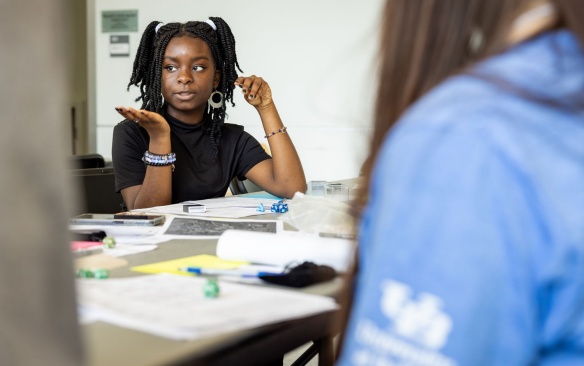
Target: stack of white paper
x=175 y=306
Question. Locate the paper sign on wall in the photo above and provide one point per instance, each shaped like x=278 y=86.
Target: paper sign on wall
x=119 y=46
x=119 y=21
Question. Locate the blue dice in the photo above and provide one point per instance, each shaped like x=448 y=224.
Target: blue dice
x=279 y=207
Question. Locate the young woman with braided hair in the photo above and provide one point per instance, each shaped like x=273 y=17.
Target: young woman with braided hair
x=177 y=147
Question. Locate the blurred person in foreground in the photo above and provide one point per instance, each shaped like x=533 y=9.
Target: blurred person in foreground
x=472 y=235
x=38 y=316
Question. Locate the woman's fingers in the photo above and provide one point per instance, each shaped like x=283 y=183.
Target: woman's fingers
x=128 y=113
x=252 y=87
x=152 y=122
x=138 y=116
x=248 y=85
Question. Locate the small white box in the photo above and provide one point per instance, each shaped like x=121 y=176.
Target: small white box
x=194 y=208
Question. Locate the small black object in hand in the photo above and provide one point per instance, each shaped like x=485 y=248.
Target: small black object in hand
x=305 y=274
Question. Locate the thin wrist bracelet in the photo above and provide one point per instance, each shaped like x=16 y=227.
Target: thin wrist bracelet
x=159 y=160
x=282 y=130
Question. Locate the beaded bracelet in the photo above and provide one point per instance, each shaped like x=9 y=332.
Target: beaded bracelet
x=283 y=130
x=159 y=160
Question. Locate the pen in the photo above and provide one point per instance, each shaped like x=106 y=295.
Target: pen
x=228 y=272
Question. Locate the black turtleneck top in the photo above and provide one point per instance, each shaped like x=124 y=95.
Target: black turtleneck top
x=198 y=173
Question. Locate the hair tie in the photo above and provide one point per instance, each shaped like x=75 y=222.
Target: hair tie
x=158 y=27
x=211 y=23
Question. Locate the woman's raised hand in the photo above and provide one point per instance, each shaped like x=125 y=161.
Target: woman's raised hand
x=256 y=91
x=153 y=122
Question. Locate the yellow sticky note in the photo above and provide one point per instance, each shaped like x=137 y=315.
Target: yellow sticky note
x=202 y=261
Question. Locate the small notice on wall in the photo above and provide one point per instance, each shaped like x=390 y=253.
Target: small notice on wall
x=113 y=21
x=119 y=46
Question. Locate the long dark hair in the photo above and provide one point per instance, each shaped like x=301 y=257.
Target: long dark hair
x=147 y=70
x=422 y=43
x=425 y=41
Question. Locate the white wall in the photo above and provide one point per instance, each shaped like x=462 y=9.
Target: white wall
x=317 y=56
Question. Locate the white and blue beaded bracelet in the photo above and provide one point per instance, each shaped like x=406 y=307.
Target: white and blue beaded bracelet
x=159 y=160
x=280 y=130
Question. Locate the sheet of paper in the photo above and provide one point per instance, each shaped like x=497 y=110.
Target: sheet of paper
x=124 y=249
x=180 y=227
x=86 y=317
x=175 y=306
x=201 y=261
x=285 y=248
x=140 y=240
x=232 y=207
x=125 y=245
x=120 y=230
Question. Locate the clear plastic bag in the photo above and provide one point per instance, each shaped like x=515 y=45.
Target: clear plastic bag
x=319 y=215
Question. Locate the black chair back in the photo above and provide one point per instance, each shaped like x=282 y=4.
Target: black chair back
x=241 y=187
x=97 y=188
x=86 y=161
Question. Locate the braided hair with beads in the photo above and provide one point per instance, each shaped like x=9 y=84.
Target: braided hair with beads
x=147 y=70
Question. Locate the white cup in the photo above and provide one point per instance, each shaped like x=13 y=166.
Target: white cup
x=315 y=188
x=336 y=191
